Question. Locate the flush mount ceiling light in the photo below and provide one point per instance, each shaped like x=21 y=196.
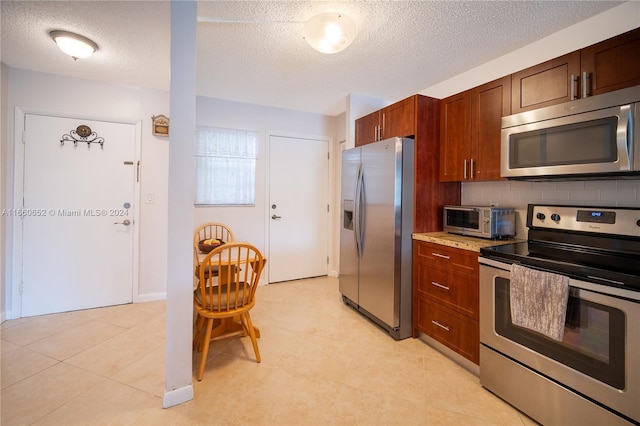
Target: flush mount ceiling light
x=73 y=44
x=330 y=32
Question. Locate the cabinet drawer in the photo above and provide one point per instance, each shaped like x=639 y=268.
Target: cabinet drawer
x=446 y=258
x=454 y=290
x=460 y=333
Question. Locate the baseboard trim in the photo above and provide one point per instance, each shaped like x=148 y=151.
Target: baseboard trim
x=177 y=396
x=150 y=297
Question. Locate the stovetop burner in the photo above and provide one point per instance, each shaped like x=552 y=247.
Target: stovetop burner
x=595 y=244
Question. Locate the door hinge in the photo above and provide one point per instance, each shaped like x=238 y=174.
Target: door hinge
x=327 y=208
x=327 y=260
x=24 y=137
x=21 y=288
x=328 y=156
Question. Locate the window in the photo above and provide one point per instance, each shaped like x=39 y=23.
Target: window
x=225 y=166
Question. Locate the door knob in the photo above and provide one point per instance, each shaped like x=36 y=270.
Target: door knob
x=125 y=222
x=274 y=217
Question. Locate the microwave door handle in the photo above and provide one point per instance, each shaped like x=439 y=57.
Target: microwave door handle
x=466 y=209
x=625 y=138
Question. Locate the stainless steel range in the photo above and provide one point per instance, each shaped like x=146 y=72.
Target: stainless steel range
x=591 y=374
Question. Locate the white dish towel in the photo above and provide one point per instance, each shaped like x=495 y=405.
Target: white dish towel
x=539 y=300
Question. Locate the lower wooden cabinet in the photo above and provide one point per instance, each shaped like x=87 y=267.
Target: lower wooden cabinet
x=456 y=331
x=445 y=297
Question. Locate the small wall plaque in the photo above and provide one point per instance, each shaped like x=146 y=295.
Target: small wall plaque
x=160 y=125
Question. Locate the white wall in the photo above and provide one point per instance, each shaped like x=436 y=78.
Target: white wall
x=72 y=97
x=249 y=223
x=92 y=100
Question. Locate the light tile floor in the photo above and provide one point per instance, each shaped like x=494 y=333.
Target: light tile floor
x=322 y=364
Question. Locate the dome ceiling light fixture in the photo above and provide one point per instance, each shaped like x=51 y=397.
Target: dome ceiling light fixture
x=330 y=32
x=74 y=45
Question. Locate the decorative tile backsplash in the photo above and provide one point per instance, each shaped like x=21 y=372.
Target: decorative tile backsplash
x=611 y=193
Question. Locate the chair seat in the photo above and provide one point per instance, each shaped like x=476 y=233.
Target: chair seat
x=227 y=299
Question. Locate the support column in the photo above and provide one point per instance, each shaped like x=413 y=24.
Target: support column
x=178 y=376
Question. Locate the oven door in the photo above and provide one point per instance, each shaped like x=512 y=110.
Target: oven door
x=599 y=354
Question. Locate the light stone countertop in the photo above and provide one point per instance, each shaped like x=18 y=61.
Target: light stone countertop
x=461 y=241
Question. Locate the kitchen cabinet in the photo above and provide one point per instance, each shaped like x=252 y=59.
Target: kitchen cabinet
x=549 y=83
x=470 y=124
x=455 y=136
x=418 y=117
x=610 y=65
x=367 y=129
x=445 y=297
x=394 y=120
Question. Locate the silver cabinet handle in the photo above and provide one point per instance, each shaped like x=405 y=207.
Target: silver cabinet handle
x=440 y=285
x=472 y=172
x=574 y=82
x=465 y=168
x=441 y=256
x=125 y=222
x=444 y=327
x=585 y=87
x=274 y=217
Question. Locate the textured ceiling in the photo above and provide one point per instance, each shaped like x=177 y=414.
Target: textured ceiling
x=253 y=51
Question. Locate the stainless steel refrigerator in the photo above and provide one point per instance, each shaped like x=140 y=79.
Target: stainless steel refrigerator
x=376 y=231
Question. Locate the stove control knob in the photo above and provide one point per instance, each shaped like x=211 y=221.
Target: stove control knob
x=555 y=217
x=541 y=216
x=638 y=222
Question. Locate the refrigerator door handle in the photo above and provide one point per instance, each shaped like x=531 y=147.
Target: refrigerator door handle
x=358 y=210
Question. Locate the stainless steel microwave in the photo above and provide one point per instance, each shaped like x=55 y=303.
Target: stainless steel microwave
x=480 y=221
x=595 y=137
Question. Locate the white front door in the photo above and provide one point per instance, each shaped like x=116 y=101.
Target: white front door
x=77 y=236
x=298 y=208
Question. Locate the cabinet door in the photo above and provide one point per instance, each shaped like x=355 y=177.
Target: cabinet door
x=612 y=64
x=549 y=83
x=489 y=103
x=398 y=119
x=455 y=136
x=366 y=129
x=460 y=333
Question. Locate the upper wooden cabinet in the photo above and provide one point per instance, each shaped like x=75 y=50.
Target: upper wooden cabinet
x=549 y=83
x=367 y=128
x=489 y=103
x=470 y=124
x=603 y=67
x=395 y=120
x=612 y=64
x=455 y=136
x=418 y=117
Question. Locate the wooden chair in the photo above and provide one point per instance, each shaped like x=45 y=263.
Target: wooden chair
x=223 y=301
x=209 y=230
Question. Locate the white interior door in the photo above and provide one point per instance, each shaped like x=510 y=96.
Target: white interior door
x=77 y=237
x=298 y=208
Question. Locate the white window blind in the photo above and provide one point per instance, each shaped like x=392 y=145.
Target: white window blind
x=225 y=166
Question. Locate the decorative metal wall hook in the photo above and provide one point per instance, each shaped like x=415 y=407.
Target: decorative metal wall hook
x=84 y=134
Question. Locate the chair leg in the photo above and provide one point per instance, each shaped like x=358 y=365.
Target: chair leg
x=252 y=335
x=205 y=349
x=197 y=332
